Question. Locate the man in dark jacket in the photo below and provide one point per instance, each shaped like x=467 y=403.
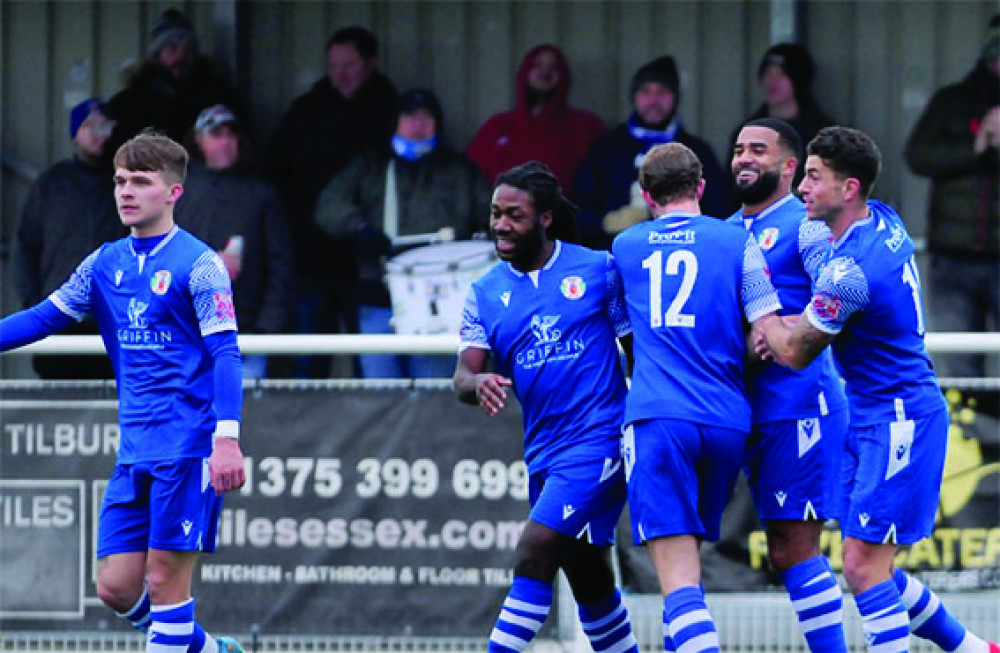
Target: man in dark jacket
x=349 y=111
x=70 y=212
x=607 y=188
x=382 y=200
x=955 y=144
x=242 y=218
x=173 y=85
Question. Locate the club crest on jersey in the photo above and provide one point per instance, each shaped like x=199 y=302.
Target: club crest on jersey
x=160 y=282
x=573 y=287
x=768 y=238
x=224 y=308
x=826 y=307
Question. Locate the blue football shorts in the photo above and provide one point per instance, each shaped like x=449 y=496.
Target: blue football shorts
x=891 y=476
x=793 y=467
x=581 y=499
x=680 y=476
x=159 y=505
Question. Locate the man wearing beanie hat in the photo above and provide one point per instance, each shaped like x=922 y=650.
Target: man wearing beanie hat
x=173 y=84
x=606 y=188
x=69 y=212
x=419 y=187
x=786 y=73
x=955 y=144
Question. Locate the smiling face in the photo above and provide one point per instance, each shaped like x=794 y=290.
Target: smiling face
x=759 y=164
x=519 y=233
x=822 y=191
x=145 y=201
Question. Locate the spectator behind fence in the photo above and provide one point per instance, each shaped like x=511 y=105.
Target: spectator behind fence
x=955 y=143
x=418 y=188
x=172 y=86
x=242 y=218
x=786 y=73
x=607 y=187
x=70 y=212
x=349 y=111
x=542 y=126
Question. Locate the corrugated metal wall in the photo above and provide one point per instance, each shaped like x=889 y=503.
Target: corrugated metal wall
x=878 y=62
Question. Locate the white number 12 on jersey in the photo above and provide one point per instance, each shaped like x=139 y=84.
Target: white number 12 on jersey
x=677 y=259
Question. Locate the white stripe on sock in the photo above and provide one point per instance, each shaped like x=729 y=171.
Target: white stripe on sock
x=508 y=640
x=826 y=596
x=524 y=606
x=688 y=618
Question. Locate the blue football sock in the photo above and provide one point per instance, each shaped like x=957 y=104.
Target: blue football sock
x=523 y=613
x=884 y=619
x=819 y=604
x=608 y=626
x=171 y=629
x=931 y=620
x=689 y=623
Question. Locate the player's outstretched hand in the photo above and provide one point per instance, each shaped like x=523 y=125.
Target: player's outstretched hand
x=490 y=392
x=226 y=465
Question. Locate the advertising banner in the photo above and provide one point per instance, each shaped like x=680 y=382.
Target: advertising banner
x=378 y=513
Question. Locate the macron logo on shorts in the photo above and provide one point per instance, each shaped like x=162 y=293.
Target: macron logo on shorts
x=186 y=525
x=809 y=435
x=568 y=511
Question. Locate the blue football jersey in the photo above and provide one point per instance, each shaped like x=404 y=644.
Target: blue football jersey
x=552 y=332
x=153 y=310
x=794 y=248
x=689 y=283
x=868 y=295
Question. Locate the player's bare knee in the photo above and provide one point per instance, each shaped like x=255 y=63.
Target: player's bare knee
x=115 y=591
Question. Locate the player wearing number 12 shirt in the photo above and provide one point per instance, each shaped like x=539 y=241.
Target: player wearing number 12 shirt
x=867 y=303
x=691 y=284
x=548 y=314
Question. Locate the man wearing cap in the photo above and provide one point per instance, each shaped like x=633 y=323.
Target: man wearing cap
x=175 y=82
x=955 y=143
x=348 y=111
x=241 y=217
x=432 y=188
x=69 y=212
x=607 y=188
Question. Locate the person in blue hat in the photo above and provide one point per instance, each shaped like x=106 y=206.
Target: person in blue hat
x=69 y=212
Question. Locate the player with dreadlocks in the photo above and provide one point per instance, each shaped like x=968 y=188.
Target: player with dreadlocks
x=549 y=314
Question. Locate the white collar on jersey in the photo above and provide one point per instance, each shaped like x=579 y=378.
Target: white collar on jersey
x=767 y=211
x=160 y=245
x=548 y=264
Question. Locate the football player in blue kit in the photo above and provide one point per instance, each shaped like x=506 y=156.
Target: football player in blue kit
x=692 y=283
x=799 y=417
x=163 y=303
x=867 y=303
x=548 y=314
